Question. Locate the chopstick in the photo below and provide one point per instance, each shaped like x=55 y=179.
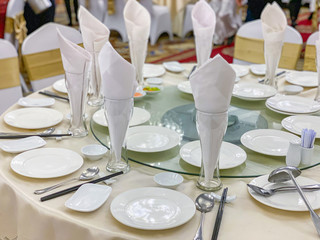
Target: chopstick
x=72 y=189
x=277 y=75
x=219 y=215
x=193 y=68
x=13 y=136
x=51 y=94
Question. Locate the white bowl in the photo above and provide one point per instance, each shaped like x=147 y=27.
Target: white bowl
x=292 y=89
x=154 y=81
x=168 y=179
x=94 y=151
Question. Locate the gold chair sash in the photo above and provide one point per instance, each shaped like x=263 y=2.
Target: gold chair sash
x=9 y=73
x=18 y=26
x=9 y=25
x=43 y=64
x=252 y=50
x=111 y=7
x=310 y=58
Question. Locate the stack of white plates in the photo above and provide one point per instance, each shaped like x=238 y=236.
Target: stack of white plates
x=292 y=105
x=253 y=91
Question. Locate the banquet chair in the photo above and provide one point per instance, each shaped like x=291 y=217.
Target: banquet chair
x=310 y=53
x=10 y=88
x=97 y=8
x=115 y=21
x=249 y=46
x=160 y=20
x=41 y=54
x=14 y=8
x=187 y=23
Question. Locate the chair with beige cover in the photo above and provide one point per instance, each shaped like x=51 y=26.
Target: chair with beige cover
x=41 y=54
x=310 y=53
x=10 y=89
x=249 y=46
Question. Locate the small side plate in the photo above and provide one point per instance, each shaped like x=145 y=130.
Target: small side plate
x=89 y=197
x=36 y=102
x=21 y=145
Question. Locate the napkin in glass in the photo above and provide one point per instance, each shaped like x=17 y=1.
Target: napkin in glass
x=137 y=20
x=274 y=23
x=212 y=86
x=76 y=63
x=118 y=86
x=204 y=23
x=94 y=34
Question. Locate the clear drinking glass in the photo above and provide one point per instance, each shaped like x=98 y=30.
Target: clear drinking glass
x=317 y=97
x=95 y=95
x=211 y=129
x=118 y=114
x=77 y=86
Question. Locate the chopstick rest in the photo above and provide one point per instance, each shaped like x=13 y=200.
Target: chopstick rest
x=219 y=215
x=72 y=189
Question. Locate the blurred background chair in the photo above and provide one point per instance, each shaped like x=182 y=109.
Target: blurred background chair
x=115 y=21
x=187 y=23
x=249 y=47
x=41 y=54
x=310 y=53
x=160 y=20
x=10 y=88
x=97 y=8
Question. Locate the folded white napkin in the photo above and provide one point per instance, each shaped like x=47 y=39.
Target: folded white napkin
x=76 y=63
x=212 y=86
x=204 y=23
x=137 y=20
x=94 y=33
x=274 y=23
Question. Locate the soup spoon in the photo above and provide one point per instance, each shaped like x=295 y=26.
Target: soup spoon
x=89 y=173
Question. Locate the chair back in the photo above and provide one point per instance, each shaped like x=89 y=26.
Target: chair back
x=41 y=54
x=310 y=53
x=10 y=88
x=249 y=46
x=148 y=5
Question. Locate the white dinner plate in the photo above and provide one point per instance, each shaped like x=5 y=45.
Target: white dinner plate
x=23 y=144
x=290 y=201
x=281 y=112
x=240 y=70
x=46 y=162
x=36 y=102
x=173 y=66
x=230 y=155
x=151 y=139
x=89 y=197
x=139 y=116
x=258 y=69
x=152 y=208
x=185 y=87
x=293 y=104
x=303 y=78
x=295 y=124
x=253 y=91
x=152 y=70
x=60 y=86
x=268 y=141
x=33 y=118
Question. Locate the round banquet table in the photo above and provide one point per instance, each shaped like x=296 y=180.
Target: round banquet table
x=23 y=216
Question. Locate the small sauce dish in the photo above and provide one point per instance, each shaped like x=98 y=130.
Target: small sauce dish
x=292 y=89
x=154 y=81
x=152 y=89
x=94 y=151
x=168 y=179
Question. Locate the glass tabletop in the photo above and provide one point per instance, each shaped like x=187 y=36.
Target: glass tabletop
x=174 y=109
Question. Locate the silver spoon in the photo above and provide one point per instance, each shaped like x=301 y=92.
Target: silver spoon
x=268 y=192
x=283 y=174
x=47 y=131
x=89 y=173
x=204 y=203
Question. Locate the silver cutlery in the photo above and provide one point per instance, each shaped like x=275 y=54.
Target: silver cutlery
x=269 y=192
x=204 y=203
x=89 y=173
x=283 y=174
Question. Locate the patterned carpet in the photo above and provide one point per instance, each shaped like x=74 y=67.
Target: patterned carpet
x=183 y=50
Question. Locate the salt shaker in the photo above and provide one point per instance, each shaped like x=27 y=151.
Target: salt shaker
x=293 y=156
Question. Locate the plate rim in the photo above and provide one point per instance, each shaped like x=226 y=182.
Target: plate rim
x=264 y=152
x=174 y=144
x=254 y=98
x=163 y=70
x=155 y=189
x=257 y=197
x=184 y=83
x=49 y=104
x=18 y=171
x=285 y=120
x=297 y=83
x=54 y=85
x=41 y=143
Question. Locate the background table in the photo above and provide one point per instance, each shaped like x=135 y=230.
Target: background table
x=23 y=215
